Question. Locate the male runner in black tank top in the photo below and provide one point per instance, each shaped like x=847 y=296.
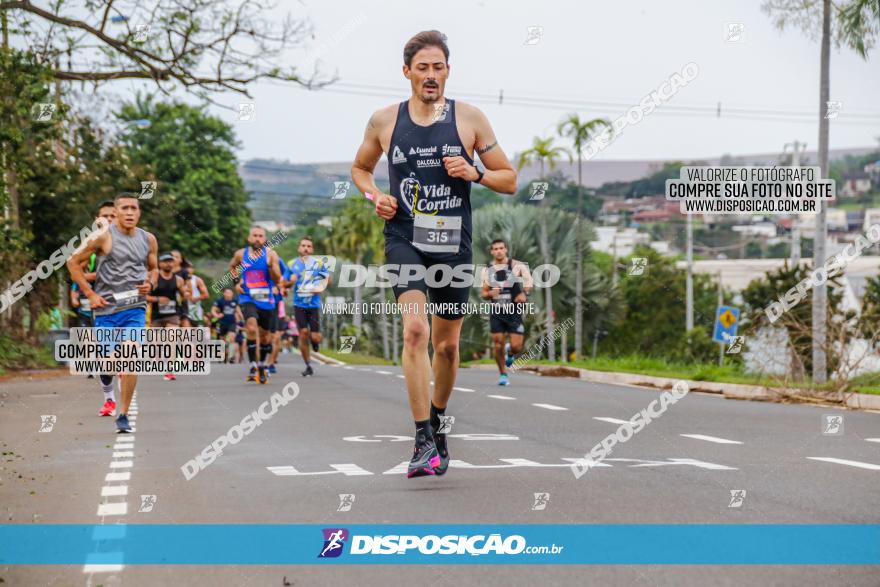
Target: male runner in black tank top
x=168 y=288
x=430 y=142
x=506 y=283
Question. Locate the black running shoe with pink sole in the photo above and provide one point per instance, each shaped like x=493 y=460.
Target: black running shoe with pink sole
x=425 y=458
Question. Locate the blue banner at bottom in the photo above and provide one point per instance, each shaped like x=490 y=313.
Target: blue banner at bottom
x=303 y=544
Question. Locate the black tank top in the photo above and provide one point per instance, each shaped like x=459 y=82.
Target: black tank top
x=166 y=288
x=505 y=280
x=433 y=209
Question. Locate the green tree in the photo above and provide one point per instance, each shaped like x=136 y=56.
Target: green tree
x=655 y=309
x=200 y=203
x=544 y=152
x=760 y=293
x=856 y=25
x=580 y=132
x=869 y=321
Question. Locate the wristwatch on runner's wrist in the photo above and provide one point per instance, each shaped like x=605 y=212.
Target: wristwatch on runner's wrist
x=480 y=174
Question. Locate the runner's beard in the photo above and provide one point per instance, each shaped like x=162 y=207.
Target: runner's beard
x=429 y=99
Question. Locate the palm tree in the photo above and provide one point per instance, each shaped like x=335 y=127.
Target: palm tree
x=543 y=151
x=580 y=133
x=353 y=236
x=858 y=25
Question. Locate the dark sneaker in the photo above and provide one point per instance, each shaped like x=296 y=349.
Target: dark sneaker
x=316 y=347
x=252 y=374
x=122 y=424
x=308 y=372
x=272 y=369
x=425 y=459
x=442 y=452
x=264 y=377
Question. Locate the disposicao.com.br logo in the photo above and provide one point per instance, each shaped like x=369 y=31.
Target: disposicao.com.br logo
x=451 y=544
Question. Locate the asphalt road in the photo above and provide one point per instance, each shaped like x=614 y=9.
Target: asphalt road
x=349 y=432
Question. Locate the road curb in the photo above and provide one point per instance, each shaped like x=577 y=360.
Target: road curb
x=326 y=359
x=736 y=391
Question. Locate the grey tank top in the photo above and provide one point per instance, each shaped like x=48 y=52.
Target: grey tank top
x=122 y=270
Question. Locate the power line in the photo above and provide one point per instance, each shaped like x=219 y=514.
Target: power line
x=670 y=110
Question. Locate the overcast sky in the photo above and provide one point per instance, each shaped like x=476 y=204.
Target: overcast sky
x=590 y=52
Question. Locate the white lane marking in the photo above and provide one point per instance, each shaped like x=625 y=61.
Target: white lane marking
x=610 y=420
x=365 y=369
x=873 y=439
x=860 y=465
x=392 y=437
x=714 y=439
x=123 y=454
x=501 y=397
x=692 y=462
x=114 y=490
x=125 y=476
x=530 y=463
x=384 y=372
x=126 y=438
x=463 y=389
x=349 y=368
x=400 y=376
x=593 y=464
x=113 y=509
x=132 y=412
x=121 y=464
x=400 y=438
x=550 y=407
x=400 y=468
x=348 y=469
x=122 y=446
x=89 y=568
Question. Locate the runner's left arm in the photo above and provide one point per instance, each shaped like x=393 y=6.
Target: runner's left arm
x=500 y=174
x=522 y=270
x=203 y=291
x=152 y=265
x=274 y=271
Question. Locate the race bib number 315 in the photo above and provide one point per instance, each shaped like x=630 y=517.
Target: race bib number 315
x=436 y=234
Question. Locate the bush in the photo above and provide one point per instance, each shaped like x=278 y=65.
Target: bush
x=697 y=347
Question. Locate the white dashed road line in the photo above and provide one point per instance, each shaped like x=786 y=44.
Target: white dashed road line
x=873 y=439
x=501 y=397
x=550 y=407
x=610 y=420
x=714 y=439
x=860 y=465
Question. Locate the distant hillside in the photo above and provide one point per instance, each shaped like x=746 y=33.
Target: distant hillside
x=294 y=193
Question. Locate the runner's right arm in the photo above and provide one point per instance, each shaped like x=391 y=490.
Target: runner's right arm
x=75 y=267
x=368 y=156
x=487 y=292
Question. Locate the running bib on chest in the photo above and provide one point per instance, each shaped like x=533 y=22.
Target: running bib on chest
x=228 y=311
x=126 y=298
x=503 y=298
x=169 y=308
x=259 y=294
x=436 y=234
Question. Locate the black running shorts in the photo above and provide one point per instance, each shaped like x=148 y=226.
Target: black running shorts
x=399 y=251
x=307 y=318
x=264 y=317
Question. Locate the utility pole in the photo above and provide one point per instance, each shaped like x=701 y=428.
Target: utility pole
x=797 y=148
x=614 y=258
x=720 y=303
x=820 y=291
x=689 y=283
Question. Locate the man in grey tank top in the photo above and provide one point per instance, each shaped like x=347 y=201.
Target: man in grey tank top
x=127 y=256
